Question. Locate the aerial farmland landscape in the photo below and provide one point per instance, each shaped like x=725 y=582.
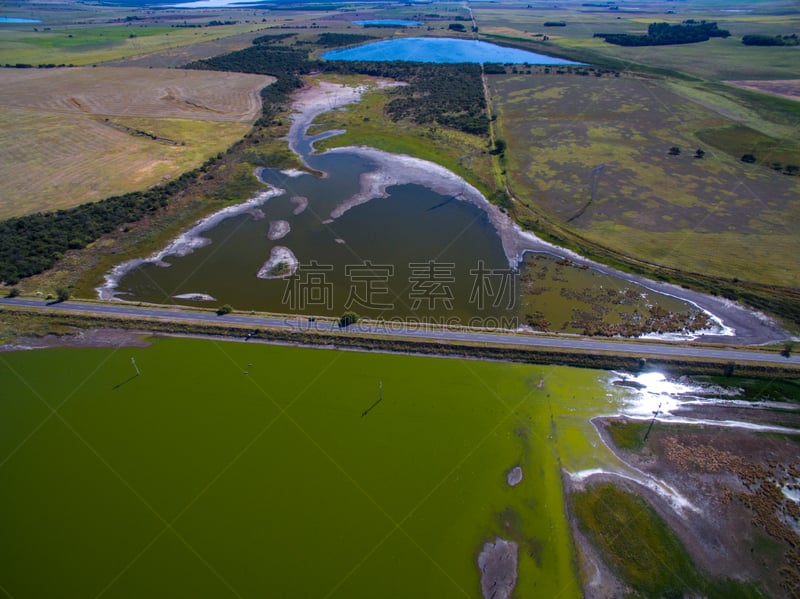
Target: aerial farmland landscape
x=491 y=299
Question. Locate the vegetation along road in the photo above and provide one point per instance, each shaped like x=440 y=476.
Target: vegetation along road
x=645 y=348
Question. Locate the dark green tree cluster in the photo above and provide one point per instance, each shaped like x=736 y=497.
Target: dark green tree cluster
x=263 y=59
x=348 y=318
x=446 y=94
x=665 y=34
x=272 y=39
x=337 y=40
x=32 y=244
x=770 y=40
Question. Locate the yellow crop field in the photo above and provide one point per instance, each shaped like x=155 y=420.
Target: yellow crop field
x=75 y=135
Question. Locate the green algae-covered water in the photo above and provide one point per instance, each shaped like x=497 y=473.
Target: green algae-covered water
x=230 y=469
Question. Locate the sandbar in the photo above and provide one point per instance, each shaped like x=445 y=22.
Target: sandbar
x=498 y=564
x=184 y=244
x=278 y=255
x=278 y=229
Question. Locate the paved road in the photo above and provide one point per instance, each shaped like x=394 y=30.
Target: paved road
x=637 y=347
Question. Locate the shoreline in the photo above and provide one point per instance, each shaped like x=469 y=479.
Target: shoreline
x=732 y=321
x=184 y=244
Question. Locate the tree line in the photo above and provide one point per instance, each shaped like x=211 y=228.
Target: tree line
x=665 y=34
x=447 y=94
x=770 y=40
x=31 y=244
x=450 y=95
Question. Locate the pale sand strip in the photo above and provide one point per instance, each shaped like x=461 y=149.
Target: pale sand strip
x=184 y=244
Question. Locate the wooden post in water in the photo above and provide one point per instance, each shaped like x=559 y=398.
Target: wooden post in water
x=652 y=422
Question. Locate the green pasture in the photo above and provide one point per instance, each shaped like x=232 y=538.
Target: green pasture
x=563 y=297
x=662 y=208
x=646 y=553
x=717 y=59
x=96 y=44
x=233 y=469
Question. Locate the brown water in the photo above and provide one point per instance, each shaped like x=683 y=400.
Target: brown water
x=408 y=255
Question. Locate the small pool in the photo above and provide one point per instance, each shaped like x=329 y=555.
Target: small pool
x=389 y=23
x=16 y=20
x=441 y=50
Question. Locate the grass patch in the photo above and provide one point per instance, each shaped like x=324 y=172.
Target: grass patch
x=627 y=434
x=554 y=145
x=559 y=296
x=716 y=59
x=777 y=389
x=366 y=123
x=640 y=548
x=738 y=140
x=86 y=45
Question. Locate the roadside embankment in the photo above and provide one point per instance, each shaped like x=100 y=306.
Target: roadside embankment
x=352 y=340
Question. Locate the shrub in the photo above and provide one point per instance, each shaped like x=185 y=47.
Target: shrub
x=347 y=319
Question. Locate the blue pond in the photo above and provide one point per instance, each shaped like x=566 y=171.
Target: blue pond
x=428 y=49
x=389 y=23
x=16 y=20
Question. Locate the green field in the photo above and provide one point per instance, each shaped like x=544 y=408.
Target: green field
x=249 y=470
x=662 y=208
x=73 y=45
x=365 y=123
x=716 y=59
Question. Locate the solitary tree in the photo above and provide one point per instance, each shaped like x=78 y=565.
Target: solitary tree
x=224 y=309
x=748 y=158
x=348 y=318
x=62 y=294
x=674 y=151
x=699 y=153
x=500 y=146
